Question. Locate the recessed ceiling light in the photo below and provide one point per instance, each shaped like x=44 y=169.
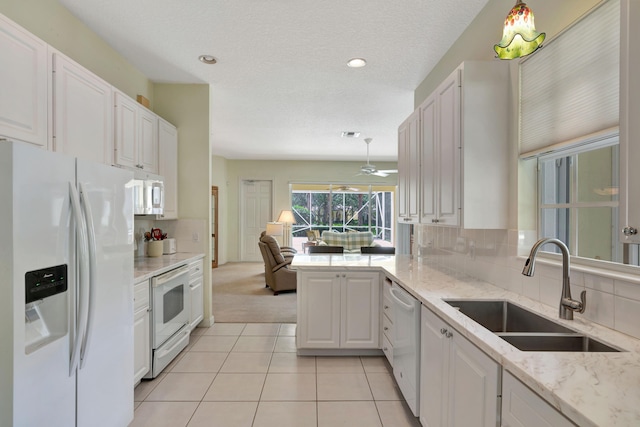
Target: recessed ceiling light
x=356 y=62
x=350 y=134
x=207 y=59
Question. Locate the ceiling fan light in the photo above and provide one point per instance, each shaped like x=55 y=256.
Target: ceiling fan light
x=519 y=36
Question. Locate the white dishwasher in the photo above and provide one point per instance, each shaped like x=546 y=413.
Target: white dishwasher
x=406 y=346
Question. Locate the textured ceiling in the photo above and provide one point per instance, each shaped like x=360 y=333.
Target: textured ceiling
x=281 y=88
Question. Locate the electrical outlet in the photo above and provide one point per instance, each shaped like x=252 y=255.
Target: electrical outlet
x=195 y=237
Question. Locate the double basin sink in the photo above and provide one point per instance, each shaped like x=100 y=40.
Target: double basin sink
x=525 y=330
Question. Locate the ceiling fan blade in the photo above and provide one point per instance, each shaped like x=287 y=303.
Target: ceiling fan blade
x=380 y=173
x=388 y=171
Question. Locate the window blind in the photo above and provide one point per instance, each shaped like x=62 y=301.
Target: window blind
x=570 y=88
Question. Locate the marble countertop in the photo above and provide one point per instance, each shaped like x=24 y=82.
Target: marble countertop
x=591 y=389
x=145 y=268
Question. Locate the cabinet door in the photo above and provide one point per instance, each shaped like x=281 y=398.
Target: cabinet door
x=473 y=385
x=141 y=344
x=126 y=125
x=318 y=310
x=148 y=140
x=434 y=367
x=429 y=170
x=409 y=169
x=403 y=172
x=521 y=407
x=168 y=167
x=82 y=111
x=629 y=211
x=360 y=310
x=448 y=151
x=23 y=84
x=197 y=302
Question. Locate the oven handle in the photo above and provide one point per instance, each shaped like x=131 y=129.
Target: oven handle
x=164 y=278
x=166 y=351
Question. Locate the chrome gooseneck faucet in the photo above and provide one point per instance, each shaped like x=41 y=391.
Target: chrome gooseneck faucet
x=567 y=305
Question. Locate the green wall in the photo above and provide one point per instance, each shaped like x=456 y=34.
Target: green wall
x=54 y=24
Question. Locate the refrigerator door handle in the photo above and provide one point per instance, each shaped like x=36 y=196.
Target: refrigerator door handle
x=81 y=296
x=91 y=240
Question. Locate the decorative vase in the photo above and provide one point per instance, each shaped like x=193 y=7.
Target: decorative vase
x=154 y=248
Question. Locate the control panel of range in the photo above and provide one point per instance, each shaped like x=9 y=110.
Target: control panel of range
x=40 y=284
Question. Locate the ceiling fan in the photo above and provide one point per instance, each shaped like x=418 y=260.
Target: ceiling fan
x=370 y=169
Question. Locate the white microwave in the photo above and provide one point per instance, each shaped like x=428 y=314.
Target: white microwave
x=148 y=194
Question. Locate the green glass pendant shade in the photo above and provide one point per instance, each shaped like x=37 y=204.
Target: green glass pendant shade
x=519 y=37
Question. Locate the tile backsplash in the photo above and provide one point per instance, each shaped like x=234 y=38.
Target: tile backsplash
x=493 y=256
x=190 y=234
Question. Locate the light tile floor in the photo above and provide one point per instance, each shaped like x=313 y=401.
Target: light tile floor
x=248 y=375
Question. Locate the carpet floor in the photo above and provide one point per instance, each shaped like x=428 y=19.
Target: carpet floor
x=240 y=295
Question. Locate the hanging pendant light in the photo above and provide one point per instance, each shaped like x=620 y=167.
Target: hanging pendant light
x=519 y=37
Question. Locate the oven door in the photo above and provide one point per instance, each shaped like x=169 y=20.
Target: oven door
x=170 y=310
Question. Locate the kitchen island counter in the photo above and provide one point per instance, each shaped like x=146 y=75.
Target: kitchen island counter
x=591 y=389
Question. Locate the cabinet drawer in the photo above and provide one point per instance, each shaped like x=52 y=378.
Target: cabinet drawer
x=196 y=268
x=387 y=348
x=387 y=328
x=141 y=295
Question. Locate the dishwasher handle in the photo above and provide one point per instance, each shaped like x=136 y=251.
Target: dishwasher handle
x=404 y=305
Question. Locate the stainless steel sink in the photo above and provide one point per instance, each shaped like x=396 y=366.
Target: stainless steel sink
x=525 y=330
x=503 y=316
x=572 y=342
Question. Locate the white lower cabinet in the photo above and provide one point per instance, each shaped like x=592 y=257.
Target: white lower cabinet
x=141 y=331
x=338 y=310
x=521 y=407
x=459 y=384
x=196 y=293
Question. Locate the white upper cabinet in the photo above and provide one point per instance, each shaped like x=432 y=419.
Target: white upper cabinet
x=23 y=84
x=168 y=167
x=148 y=140
x=126 y=130
x=462 y=149
x=629 y=211
x=408 y=170
x=82 y=112
x=136 y=139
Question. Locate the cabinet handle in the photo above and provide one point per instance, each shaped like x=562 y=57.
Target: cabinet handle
x=448 y=334
x=385 y=349
x=344 y=275
x=443 y=331
x=386 y=307
x=386 y=328
x=630 y=231
x=337 y=275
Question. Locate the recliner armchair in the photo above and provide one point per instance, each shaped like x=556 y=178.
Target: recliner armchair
x=278 y=276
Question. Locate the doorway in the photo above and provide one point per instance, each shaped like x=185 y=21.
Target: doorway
x=255 y=212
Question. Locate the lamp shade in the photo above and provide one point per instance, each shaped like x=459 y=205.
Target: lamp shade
x=286 y=217
x=519 y=37
x=274 y=229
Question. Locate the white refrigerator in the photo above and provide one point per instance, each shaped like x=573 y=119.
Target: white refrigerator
x=66 y=307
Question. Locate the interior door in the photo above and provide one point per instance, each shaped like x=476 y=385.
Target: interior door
x=214 y=226
x=255 y=212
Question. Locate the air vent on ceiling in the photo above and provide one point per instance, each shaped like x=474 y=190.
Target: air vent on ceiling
x=350 y=134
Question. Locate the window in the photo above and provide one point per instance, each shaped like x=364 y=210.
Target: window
x=344 y=208
x=578 y=192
